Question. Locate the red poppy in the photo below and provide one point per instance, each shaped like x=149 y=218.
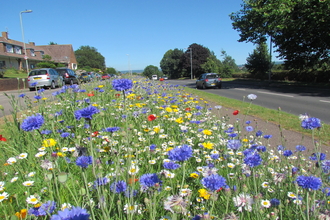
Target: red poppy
x=2 y=138
x=151 y=117
x=117 y=95
x=94 y=134
x=235 y=112
x=219 y=189
x=90 y=94
x=188 y=109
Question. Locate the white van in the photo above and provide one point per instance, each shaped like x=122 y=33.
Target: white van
x=154 y=77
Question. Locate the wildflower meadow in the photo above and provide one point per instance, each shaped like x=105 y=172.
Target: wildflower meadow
x=132 y=148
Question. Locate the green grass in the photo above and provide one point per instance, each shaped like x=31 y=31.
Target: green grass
x=291 y=122
x=13 y=73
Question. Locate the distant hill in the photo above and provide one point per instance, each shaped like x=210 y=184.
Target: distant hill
x=133 y=71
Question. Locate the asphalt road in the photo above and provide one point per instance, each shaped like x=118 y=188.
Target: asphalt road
x=294 y=100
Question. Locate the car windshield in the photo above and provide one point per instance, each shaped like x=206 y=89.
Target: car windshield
x=38 y=72
x=61 y=71
x=212 y=76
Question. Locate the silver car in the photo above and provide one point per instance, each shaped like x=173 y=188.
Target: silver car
x=45 y=77
x=209 y=80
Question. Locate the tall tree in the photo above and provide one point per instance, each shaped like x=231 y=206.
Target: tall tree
x=299 y=29
x=212 y=64
x=228 y=66
x=198 y=55
x=258 y=63
x=170 y=64
x=89 y=57
x=151 y=70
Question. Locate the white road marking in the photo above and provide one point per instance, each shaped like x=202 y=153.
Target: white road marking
x=270 y=93
x=240 y=89
x=324 y=101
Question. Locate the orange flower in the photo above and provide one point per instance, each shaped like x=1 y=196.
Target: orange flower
x=2 y=138
x=21 y=214
x=90 y=94
x=188 y=109
x=117 y=95
x=132 y=180
x=151 y=117
x=235 y=112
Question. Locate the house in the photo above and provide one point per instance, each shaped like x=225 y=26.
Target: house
x=12 y=54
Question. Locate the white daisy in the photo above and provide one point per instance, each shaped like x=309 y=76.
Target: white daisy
x=3 y=196
x=32 y=200
x=28 y=183
x=265 y=203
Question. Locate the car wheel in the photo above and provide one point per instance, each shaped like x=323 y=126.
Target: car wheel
x=53 y=86
x=219 y=86
x=197 y=86
x=32 y=89
x=203 y=86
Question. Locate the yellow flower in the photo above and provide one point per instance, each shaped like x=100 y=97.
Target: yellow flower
x=101 y=86
x=49 y=142
x=21 y=214
x=245 y=140
x=174 y=106
x=146 y=129
x=169 y=148
x=44 y=99
x=95 y=105
x=168 y=109
x=204 y=193
x=138 y=105
x=207 y=132
x=60 y=154
x=179 y=120
x=194 y=175
x=156 y=129
x=208 y=145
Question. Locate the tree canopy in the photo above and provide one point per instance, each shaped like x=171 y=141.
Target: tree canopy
x=88 y=57
x=299 y=29
x=151 y=70
x=170 y=63
x=258 y=63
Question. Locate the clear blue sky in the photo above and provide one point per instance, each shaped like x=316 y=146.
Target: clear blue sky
x=135 y=32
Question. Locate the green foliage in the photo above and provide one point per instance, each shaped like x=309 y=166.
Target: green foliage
x=199 y=55
x=151 y=70
x=89 y=57
x=212 y=65
x=45 y=65
x=258 y=63
x=52 y=43
x=228 y=66
x=111 y=70
x=299 y=29
x=170 y=64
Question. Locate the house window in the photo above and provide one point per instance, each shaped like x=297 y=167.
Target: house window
x=42 y=53
x=32 y=52
x=18 y=50
x=9 y=48
x=2 y=64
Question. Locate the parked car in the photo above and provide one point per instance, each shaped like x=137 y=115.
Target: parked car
x=165 y=77
x=45 y=77
x=154 y=77
x=69 y=76
x=105 y=76
x=85 y=77
x=209 y=80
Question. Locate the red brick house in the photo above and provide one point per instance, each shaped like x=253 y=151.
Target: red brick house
x=12 y=54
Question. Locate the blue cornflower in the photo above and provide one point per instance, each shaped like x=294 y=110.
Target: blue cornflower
x=101 y=181
x=259 y=133
x=152 y=147
x=311 y=123
x=268 y=136
x=287 y=153
x=46 y=132
x=318 y=156
x=261 y=148
x=112 y=129
x=252 y=160
x=280 y=148
x=32 y=122
x=122 y=84
x=213 y=182
x=37 y=97
x=234 y=144
x=325 y=165
x=232 y=135
x=294 y=170
x=171 y=165
x=249 y=128
x=274 y=202
x=44 y=209
x=214 y=156
x=75 y=213
x=65 y=134
x=326 y=191
x=86 y=113
x=84 y=161
x=129 y=193
x=300 y=148
x=180 y=153
x=41 y=90
x=309 y=182
x=22 y=95
x=248 y=122
x=118 y=186
x=34 y=84
x=149 y=180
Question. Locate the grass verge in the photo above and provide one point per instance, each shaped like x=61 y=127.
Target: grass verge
x=286 y=120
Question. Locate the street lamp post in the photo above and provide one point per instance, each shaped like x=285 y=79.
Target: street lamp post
x=25 y=55
x=191 y=70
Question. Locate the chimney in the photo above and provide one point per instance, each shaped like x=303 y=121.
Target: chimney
x=5 y=35
x=32 y=43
